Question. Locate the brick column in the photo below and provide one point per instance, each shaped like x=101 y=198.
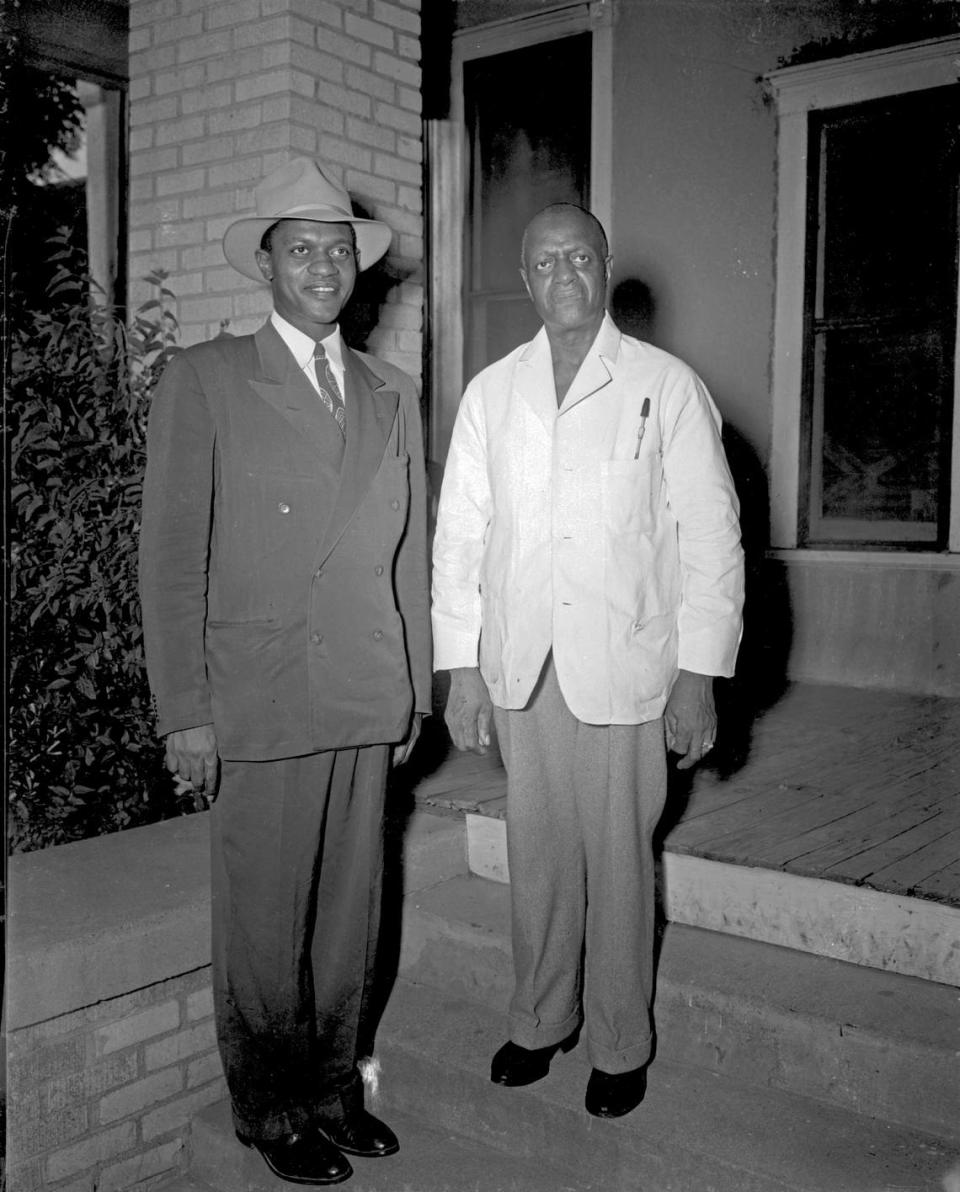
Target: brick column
x=222 y=93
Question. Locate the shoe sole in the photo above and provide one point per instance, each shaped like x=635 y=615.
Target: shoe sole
x=296 y=1179
x=565 y=1046
x=615 y=1113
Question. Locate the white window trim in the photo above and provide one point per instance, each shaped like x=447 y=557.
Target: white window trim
x=447 y=158
x=799 y=90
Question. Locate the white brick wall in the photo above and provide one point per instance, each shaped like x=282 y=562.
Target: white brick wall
x=222 y=93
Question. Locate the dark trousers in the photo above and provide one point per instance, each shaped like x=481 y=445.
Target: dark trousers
x=297 y=865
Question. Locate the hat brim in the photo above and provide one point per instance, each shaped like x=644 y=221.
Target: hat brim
x=242 y=239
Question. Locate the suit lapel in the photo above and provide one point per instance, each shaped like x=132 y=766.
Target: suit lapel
x=595 y=372
x=534 y=375
x=284 y=387
x=592 y=375
x=533 y=380
x=371 y=412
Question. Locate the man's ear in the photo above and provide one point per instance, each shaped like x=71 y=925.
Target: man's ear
x=526 y=284
x=264 y=264
x=608 y=263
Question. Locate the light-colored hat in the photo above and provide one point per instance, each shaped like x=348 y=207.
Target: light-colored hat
x=300 y=190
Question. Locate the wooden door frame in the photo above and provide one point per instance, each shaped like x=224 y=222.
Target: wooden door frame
x=447 y=184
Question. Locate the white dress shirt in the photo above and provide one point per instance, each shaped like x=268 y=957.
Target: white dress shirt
x=303 y=347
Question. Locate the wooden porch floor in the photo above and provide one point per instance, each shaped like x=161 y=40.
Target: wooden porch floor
x=853 y=786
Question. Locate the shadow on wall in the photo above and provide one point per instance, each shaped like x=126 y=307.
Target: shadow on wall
x=761 y=672
x=362 y=313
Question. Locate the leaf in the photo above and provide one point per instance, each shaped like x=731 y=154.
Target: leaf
x=83 y=745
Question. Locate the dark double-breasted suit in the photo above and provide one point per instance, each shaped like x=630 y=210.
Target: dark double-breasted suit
x=285 y=601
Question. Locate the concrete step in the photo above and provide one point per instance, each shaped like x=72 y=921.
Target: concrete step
x=696 y=1131
x=911 y=936
x=432 y=1158
x=850 y=1037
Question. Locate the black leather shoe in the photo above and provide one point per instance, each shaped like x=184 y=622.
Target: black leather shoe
x=302 y=1159
x=359 y=1133
x=611 y=1095
x=514 y=1065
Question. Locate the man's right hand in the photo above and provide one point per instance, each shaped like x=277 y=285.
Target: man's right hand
x=192 y=754
x=469 y=709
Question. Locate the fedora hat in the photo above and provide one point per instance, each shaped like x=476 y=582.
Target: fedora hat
x=300 y=190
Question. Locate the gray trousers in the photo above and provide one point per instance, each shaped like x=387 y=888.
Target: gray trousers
x=297 y=865
x=583 y=801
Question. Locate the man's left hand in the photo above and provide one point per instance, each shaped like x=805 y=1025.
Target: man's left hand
x=402 y=751
x=690 y=718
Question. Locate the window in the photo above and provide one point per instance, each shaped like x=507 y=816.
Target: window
x=528 y=147
x=881 y=321
x=80 y=189
x=71 y=84
x=504 y=148
x=866 y=435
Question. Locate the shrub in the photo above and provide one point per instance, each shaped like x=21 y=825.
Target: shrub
x=84 y=758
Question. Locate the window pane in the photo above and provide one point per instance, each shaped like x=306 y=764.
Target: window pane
x=882 y=426
x=889 y=203
x=528 y=113
x=882 y=320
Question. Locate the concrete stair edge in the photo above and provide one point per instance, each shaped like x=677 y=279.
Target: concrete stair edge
x=695 y=1130
x=867 y=1041
x=911 y=936
x=430 y=1160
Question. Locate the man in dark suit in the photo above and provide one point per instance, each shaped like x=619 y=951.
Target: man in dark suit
x=286 y=628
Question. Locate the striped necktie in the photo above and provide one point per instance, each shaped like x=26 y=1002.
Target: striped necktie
x=329 y=391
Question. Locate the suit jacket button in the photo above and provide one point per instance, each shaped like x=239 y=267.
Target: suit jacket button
x=378 y=570
x=283 y=507
x=394 y=504
x=377 y=635
x=316 y=638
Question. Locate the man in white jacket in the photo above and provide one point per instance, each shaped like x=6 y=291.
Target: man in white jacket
x=588 y=585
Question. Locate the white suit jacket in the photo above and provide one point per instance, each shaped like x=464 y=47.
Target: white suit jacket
x=555 y=531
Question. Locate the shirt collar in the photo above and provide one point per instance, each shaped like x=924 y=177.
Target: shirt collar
x=302 y=346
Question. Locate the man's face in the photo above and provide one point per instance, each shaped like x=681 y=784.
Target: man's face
x=565 y=270
x=311 y=268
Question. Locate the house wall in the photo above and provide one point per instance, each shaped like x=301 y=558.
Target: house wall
x=695 y=183
x=221 y=93
x=694 y=239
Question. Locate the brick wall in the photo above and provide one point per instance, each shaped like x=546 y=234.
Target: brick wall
x=223 y=92
x=101 y=1098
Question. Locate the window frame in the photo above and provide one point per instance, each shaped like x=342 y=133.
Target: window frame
x=798 y=91
x=448 y=194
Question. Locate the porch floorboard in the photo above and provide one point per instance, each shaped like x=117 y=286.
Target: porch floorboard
x=849 y=785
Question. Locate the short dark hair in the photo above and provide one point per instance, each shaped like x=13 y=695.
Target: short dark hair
x=266 y=240
x=557 y=207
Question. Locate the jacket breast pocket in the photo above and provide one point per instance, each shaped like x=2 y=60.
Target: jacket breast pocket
x=630 y=494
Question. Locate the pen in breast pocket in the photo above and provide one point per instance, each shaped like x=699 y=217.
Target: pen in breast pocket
x=641 y=429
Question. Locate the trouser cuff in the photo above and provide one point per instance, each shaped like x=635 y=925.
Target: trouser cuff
x=530 y=1033
x=332 y=1105
x=617 y=1060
